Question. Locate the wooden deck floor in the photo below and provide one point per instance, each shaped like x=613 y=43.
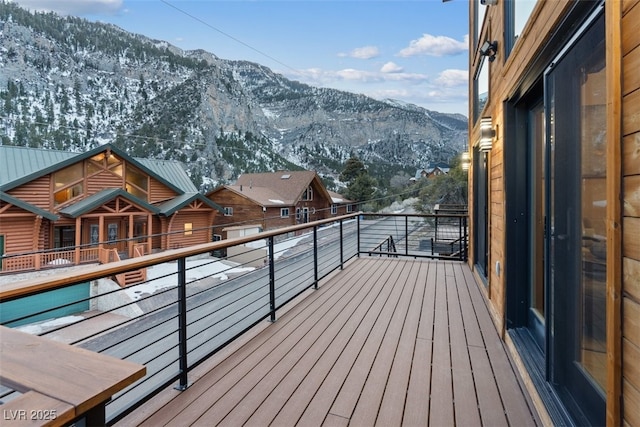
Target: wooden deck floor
x=385 y=342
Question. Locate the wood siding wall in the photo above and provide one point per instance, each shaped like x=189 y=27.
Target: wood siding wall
x=18 y=233
x=201 y=232
x=37 y=192
x=631 y=211
x=159 y=192
x=245 y=211
x=101 y=181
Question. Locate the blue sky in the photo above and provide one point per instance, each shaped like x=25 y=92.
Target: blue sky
x=413 y=51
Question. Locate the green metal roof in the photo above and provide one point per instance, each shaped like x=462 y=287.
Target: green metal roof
x=19 y=165
x=19 y=162
x=92 y=202
x=27 y=206
x=172 y=171
x=177 y=203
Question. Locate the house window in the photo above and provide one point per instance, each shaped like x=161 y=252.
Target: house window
x=137 y=183
x=349 y=208
x=481 y=87
x=112 y=232
x=298 y=214
x=481 y=11
x=308 y=194
x=68 y=183
x=94 y=234
x=284 y=213
x=334 y=209
x=188 y=228
x=517 y=15
x=228 y=211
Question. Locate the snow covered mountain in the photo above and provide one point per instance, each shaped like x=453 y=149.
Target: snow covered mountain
x=70 y=84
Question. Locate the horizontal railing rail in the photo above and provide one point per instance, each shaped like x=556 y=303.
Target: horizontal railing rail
x=436 y=236
x=192 y=304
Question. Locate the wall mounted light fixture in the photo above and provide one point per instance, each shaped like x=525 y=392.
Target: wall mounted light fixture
x=487 y=133
x=489 y=49
x=465 y=161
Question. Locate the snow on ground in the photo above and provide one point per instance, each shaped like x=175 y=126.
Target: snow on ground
x=38 y=328
x=163 y=276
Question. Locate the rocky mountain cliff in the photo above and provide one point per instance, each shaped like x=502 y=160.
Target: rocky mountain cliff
x=70 y=84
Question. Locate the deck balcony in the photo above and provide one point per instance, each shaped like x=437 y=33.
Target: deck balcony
x=361 y=320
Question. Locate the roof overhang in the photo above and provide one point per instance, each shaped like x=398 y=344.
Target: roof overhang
x=28 y=207
x=172 y=206
x=90 y=203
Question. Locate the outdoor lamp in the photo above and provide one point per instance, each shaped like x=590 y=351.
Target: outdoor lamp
x=487 y=133
x=465 y=161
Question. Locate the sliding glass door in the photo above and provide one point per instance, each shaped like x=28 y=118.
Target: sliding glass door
x=575 y=91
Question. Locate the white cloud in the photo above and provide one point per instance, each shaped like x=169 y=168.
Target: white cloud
x=435 y=46
x=391 y=67
x=365 y=52
x=74 y=7
x=453 y=78
x=319 y=77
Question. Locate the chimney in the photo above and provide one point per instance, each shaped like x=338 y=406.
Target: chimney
x=240 y=187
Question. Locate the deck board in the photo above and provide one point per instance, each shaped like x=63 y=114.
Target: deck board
x=387 y=341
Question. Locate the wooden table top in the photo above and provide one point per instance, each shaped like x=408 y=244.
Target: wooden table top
x=73 y=375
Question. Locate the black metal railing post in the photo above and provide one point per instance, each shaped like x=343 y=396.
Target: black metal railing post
x=406 y=235
x=315 y=257
x=341 y=247
x=466 y=240
x=182 y=324
x=272 y=281
x=358 y=233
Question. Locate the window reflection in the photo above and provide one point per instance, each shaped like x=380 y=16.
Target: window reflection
x=594 y=205
x=481 y=87
x=521 y=11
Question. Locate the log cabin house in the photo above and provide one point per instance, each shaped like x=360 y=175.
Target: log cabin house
x=277 y=199
x=71 y=206
x=554 y=135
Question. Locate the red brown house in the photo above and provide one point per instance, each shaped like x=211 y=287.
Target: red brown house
x=276 y=199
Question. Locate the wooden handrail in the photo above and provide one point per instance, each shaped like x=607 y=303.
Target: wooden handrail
x=42 y=284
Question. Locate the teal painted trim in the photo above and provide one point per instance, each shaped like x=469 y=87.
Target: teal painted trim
x=46 y=301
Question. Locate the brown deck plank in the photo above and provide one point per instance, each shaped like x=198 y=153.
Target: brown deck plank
x=272 y=361
x=464 y=393
x=326 y=348
x=416 y=411
x=340 y=355
x=441 y=407
x=382 y=377
x=352 y=388
x=392 y=408
x=319 y=407
x=209 y=387
x=511 y=392
x=386 y=341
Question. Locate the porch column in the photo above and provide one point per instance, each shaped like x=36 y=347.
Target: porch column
x=149 y=233
x=78 y=241
x=130 y=237
x=37 y=261
x=101 y=238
